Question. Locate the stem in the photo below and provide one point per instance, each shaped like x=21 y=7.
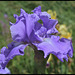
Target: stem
x=61 y=68
x=40 y=62
x=66 y=68
x=55 y=64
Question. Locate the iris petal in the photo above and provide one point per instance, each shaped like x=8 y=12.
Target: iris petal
x=18 y=31
x=37 y=26
x=50 y=25
x=41 y=32
x=37 y=10
x=5 y=71
x=35 y=38
x=10 y=52
x=55 y=46
x=47 y=21
x=30 y=22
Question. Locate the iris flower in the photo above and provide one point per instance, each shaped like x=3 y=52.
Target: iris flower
x=27 y=31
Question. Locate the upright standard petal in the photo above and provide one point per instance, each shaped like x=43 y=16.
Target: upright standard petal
x=44 y=15
x=37 y=10
x=22 y=13
x=37 y=26
x=47 y=21
x=50 y=25
x=30 y=22
x=57 y=47
x=18 y=31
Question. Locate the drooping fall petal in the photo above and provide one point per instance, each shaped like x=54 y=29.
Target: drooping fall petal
x=60 y=48
x=13 y=50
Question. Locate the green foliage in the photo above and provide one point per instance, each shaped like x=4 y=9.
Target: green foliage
x=25 y=64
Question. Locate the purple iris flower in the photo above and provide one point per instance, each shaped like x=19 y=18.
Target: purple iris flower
x=27 y=31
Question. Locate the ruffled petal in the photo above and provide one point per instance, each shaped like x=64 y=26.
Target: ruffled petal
x=37 y=10
x=59 y=48
x=16 y=17
x=44 y=15
x=70 y=52
x=13 y=50
x=18 y=31
x=35 y=38
x=41 y=32
x=2 y=58
x=37 y=26
x=5 y=71
x=24 y=26
x=52 y=30
x=47 y=21
x=50 y=25
x=30 y=23
x=22 y=12
x=10 y=23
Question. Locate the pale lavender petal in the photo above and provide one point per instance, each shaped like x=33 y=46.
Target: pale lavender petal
x=10 y=23
x=41 y=32
x=37 y=10
x=70 y=52
x=35 y=38
x=30 y=22
x=47 y=21
x=18 y=31
x=3 y=50
x=56 y=47
x=12 y=51
x=22 y=12
x=37 y=26
x=51 y=23
x=23 y=27
x=5 y=71
x=16 y=16
x=52 y=30
x=44 y=15
x=2 y=58
x=21 y=15
x=19 y=50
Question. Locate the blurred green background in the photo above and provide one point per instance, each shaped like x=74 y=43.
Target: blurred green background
x=25 y=64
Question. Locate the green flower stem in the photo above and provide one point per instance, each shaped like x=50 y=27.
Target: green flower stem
x=55 y=64
x=61 y=68
x=66 y=67
x=39 y=61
